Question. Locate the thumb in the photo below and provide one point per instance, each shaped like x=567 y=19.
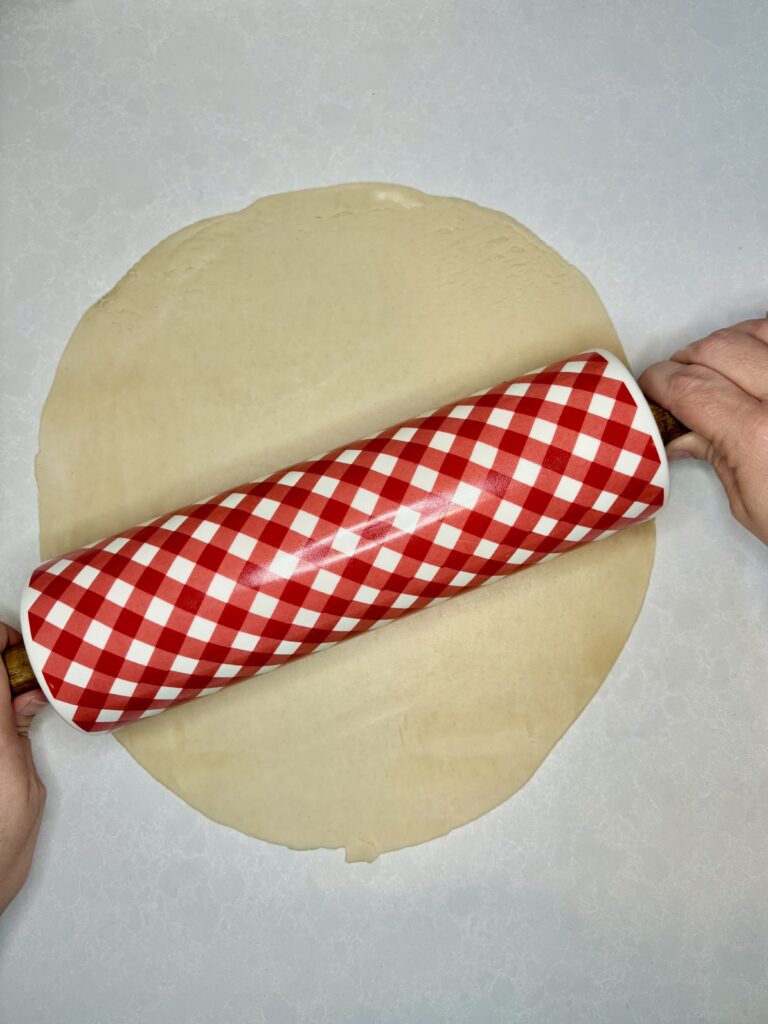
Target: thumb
x=688 y=446
x=694 y=446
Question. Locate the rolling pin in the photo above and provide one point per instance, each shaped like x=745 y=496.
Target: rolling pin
x=247 y=580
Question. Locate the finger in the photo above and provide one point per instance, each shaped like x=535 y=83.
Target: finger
x=689 y=446
x=735 y=354
x=29 y=703
x=697 y=447
x=8 y=636
x=757 y=328
x=703 y=399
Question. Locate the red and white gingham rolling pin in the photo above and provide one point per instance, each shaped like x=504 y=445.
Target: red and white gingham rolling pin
x=245 y=581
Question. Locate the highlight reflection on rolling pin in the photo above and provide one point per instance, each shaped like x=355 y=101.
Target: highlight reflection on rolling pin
x=242 y=582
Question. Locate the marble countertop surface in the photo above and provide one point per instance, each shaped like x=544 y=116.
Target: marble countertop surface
x=628 y=881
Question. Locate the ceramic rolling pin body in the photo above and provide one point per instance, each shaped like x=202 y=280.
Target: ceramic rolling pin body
x=238 y=584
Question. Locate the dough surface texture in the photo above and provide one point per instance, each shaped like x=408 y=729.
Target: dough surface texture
x=249 y=341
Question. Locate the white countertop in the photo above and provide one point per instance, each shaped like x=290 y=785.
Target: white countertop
x=628 y=881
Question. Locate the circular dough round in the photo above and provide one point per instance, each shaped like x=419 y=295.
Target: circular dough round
x=249 y=341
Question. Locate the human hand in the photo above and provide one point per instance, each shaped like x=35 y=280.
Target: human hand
x=22 y=794
x=719 y=388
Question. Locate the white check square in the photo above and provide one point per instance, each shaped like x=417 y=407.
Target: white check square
x=459 y=412
x=58 y=567
x=427 y=572
x=519 y=388
x=60 y=613
x=181 y=569
x=266 y=508
x=242 y=546
x=466 y=495
x=305 y=617
x=286 y=647
x=109 y=715
x=345 y=541
x=97 y=634
x=115 y=545
x=326 y=582
x=221 y=587
x=201 y=629
x=462 y=579
x=206 y=531
x=291 y=478
x=140 y=652
x=586 y=447
x=542 y=430
x=122 y=688
x=424 y=478
x=442 y=441
x=184 y=665
x=227 y=671
x=573 y=367
x=284 y=565
x=232 y=500
x=245 y=642
x=406 y=519
x=545 y=526
x=447 y=536
x=119 y=593
x=387 y=559
x=348 y=456
x=486 y=549
x=636 y=509
x=404 y=601
x=159 y=611
x=263 y=604
x=578 y=533
x=601 y=405
x=366 y=594
x=364 y=500
x=325 y=486
x=77 y=675
x=346 y=624
x=507 y=513
x=627 y=463
x=484 y=454
x=168 y=692
x=500 y=418
x=567 y=488
x=304 y=523
x=604 y=501
x=558 y=394
x=384 y=464
x=526 y=472
x=404 y=434
x=145 y=554
x=86 y=576
x=173 y=523
x=519 y=557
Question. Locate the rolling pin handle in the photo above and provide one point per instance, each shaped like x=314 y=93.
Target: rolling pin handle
x=669 y=426
x=20 y=675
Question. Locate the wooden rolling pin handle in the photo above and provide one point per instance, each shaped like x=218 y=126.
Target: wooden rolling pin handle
x=22 y=678
x=669 y=427
x=20 y=674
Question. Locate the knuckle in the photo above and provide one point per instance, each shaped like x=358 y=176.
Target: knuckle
x=687 y=385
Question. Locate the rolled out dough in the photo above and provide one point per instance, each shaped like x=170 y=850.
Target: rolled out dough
x=249 y=341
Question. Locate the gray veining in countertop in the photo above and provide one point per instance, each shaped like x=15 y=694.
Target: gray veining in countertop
x=628 y=882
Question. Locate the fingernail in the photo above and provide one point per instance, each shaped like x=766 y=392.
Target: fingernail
x=679 y=456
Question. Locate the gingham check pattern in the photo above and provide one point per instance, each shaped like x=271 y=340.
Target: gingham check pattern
x=309 y=556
